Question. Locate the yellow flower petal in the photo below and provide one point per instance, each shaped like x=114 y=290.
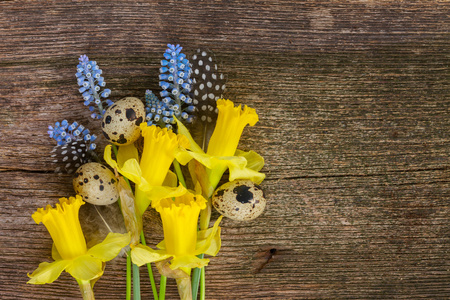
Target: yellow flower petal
x=209 y=240
x=141 y=255
x=85 y=267
x=127 y=152
x=55 y=254
x=48 y=272
x=185 y=132
x=154 y=193
x=254 y=160
x=110 y=247
x=216 y=165
x=237 y=172
x=171 y=179
x=130 y=167
x=188 y=261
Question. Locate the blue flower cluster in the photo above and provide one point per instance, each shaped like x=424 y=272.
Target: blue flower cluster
x=176 y=84
x=64 y=133
x=91 y=82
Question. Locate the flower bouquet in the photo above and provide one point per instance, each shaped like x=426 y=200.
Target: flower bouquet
x=189 y=125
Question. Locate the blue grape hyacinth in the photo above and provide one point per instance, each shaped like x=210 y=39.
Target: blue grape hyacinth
x=75 y=146
x=64 y=133
x=176 y=84
x=91 y=83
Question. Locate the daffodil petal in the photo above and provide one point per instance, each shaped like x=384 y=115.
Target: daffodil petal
x=238 y=165
x=236 y=172
x=108 y=158
x=130 y=167
x=161 y=245
x=208 y=241
x=85 y=267
x=141 y=255
x=171 y=179
x=131 y=170
x=188 y=261
x=110 y=247
x=48 y=272
x=254 y=160
x=160 y=192
x=127 y=152
x=55 y=254
x=184 y=131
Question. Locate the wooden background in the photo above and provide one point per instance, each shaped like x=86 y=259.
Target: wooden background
x=353 y=99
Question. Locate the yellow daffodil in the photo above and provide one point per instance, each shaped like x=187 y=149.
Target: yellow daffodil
x=222 y=150
x=69 y=249
x=181 y=241
x=149 y=174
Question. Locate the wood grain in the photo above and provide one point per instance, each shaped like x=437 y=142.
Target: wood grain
x=353 y=99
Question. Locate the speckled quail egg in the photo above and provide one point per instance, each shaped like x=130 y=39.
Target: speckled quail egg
x=96 y=184
x=121 y=121
x=240 y=200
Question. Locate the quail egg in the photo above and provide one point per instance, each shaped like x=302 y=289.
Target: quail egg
x=96 y=184
x=240 y=200
x=121 y=121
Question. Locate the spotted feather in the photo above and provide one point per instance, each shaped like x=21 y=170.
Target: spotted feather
x=70 y=156
x=208 y=85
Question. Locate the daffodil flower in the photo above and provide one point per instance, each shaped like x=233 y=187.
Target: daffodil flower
x=222 y=150
x=69 y=249
x=181 y=241
x=150 y=172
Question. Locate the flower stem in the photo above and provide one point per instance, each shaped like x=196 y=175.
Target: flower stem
x=86 y=289
x=196 y=279
x=202 y=284
x=205 y=217
x=136 y=283
x=150 y=271
x=179 y=173
x=128 y=295
x=162 y=287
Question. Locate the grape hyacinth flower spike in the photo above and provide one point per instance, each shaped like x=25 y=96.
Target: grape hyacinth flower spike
x=91 y=83
x=75 y=146
x=157 y=112
x=176 y=84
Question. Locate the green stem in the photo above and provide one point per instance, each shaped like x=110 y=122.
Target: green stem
x=196 y=279
x=205 y=217
x=128 y=276
x=86 y=289
x=180 y=176
x=162 y=288
x=136 y=283
x=150 y=271
x=203 y=284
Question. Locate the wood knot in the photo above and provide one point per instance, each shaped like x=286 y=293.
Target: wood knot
x=263 y=258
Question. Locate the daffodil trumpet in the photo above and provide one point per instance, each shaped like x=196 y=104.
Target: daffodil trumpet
x=69 y=250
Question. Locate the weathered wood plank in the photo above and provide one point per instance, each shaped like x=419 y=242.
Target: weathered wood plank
x=353 y=99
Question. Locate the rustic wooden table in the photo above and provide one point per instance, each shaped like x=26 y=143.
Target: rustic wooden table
x=353 y=99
